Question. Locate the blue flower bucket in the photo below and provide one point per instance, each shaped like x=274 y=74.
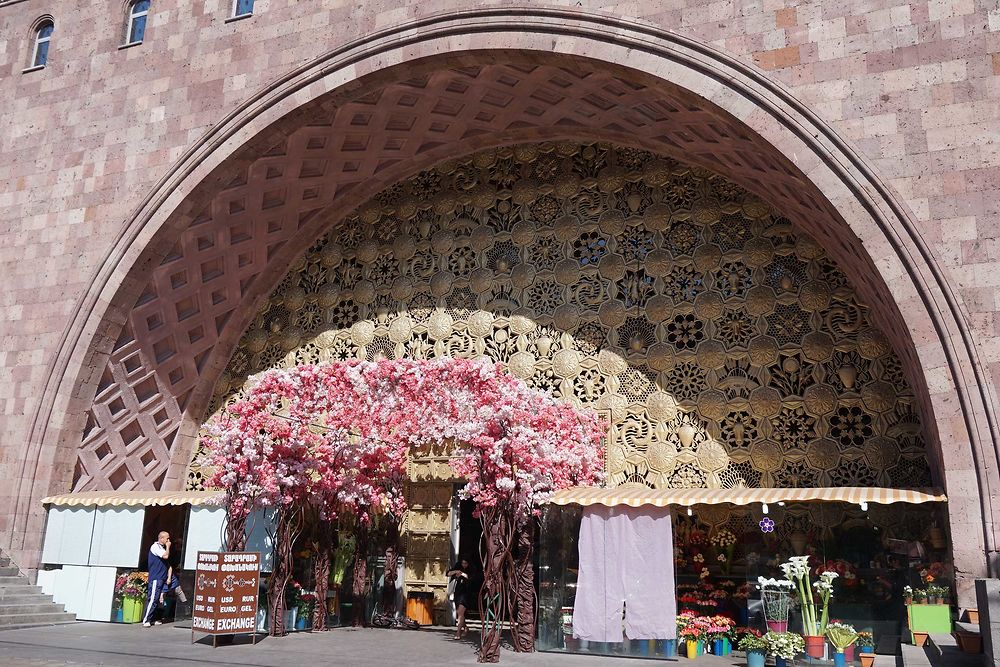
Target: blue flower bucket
x=755 y=658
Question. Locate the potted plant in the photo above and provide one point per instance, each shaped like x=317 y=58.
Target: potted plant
x=307 y=599
x=908 y=594
x=133 y=595
x=796 y=570
x=776 y=596
x=719 y=633
x=118 y=614
x=919 y=596
x=292 y=592
x=841 y=636
x=866 y=641
x=784 y=646
x=755 y=647
x=694 y=632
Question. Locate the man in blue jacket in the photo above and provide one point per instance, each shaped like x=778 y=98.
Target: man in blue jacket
x=159 y=555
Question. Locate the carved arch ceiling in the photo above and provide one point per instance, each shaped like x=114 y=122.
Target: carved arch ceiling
x=335 y=158
x=726 y=347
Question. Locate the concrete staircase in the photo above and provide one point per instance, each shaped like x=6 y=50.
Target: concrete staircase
x=23 y=605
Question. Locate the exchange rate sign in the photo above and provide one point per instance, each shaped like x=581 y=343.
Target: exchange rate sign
x=226 y=588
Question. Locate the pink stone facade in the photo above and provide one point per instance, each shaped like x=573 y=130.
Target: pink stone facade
x=154 y=194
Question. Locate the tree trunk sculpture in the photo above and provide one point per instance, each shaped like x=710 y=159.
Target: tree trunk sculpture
x=236 y=531
x=360 y=574
x=494 y=600
x=323 y=546
x=287 y=529
x=524 y=587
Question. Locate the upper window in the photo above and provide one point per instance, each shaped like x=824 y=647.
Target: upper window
x=43 y=35
x=242 y=7
x=135 y=30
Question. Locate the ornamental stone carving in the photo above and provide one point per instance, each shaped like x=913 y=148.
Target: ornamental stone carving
x=725 y=347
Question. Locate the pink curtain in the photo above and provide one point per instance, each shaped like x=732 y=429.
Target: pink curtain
x=626 y=567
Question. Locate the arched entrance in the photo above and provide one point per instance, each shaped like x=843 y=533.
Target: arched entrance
x=190 y=269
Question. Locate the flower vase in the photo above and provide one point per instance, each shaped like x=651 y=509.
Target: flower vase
x=867 y=649
x=119 y=615
x=692 y=649
x=849 y=653
x=839 y=660
x=815 y=645
x=716 y=647
x=131 y=610
x=755 y=658
x=780 y=662
x=778 y=626
x=726 y=646
x=670 y=648
x=290 y=617
x=701 y=647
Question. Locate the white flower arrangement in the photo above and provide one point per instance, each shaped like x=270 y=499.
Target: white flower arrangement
x=785 y=645
x=723 y=538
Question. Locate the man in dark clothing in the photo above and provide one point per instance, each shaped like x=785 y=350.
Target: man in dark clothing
x=159 y=564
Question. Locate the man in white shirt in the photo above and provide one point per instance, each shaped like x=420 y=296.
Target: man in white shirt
x=159 y=553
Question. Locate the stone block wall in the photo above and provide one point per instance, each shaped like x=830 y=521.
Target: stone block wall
x=912 y=85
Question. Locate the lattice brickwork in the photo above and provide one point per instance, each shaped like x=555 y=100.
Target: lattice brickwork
x=727 y=347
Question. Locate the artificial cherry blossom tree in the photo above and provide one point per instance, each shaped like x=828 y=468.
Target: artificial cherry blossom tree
x=286 y=443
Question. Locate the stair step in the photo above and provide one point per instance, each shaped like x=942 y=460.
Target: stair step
x=19 y=589
x=9 y=571
x=12 y=580
x=971 y=628
x=36 y=619
x=25 y=598
x=915 y=656
x=30 y=608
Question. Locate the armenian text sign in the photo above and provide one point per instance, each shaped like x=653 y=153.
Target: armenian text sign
x=225 y=592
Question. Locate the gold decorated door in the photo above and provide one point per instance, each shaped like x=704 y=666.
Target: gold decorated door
x=428 y=526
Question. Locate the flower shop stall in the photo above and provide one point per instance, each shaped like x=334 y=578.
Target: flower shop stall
x=96 y=545
x=854 y=549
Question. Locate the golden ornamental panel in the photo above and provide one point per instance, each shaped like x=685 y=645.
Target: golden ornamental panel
x=725 y=346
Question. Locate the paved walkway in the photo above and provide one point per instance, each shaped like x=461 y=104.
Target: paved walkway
x=116 y=645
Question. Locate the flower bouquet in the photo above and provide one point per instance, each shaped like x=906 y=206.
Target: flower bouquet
x=841 y=635
x=133 y=593
x=755 y=647
x=119 y=597
x=784 y=646
x=724 y=543
x=694 y=630
x=776 y=596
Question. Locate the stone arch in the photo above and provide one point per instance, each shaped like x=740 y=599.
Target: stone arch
x=173 y=295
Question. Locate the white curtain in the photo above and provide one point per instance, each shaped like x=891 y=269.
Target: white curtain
x=626 y=568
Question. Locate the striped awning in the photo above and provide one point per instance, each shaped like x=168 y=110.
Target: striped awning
x=634 y=496
x=134 y=498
